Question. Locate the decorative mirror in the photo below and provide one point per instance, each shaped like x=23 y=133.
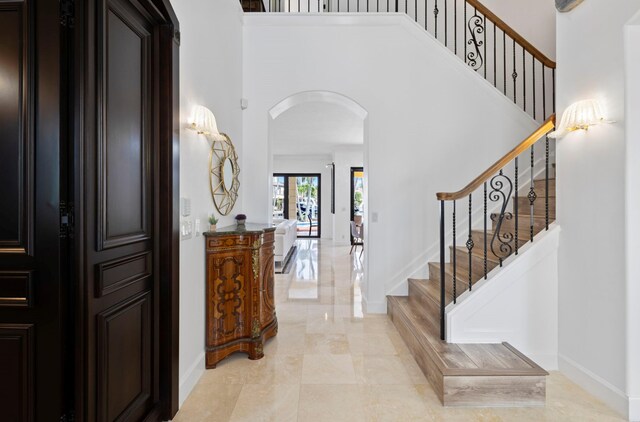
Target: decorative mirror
x=223 y=174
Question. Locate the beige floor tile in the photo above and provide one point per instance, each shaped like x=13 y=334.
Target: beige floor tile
x=390 y=403
x=331 y=403
x=380 y=369
x=276 y=369
x=231 y=370
x=334 y=344
x=273 y=403
x=209 y=403
x=371 y=344
x=328 y=369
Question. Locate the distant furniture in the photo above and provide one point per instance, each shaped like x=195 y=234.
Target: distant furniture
x=240 y=305
x=286 y=235
x=357 y=232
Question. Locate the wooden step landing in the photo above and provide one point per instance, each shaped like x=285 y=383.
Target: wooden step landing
x=467 y=374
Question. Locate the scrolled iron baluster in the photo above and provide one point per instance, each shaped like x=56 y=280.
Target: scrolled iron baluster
x=475 y=60
x=485 y=231
x=532 y=193
x=514 y=75
x=516 y=205
x=501 y=241
x=546 y=181
x=435 y=14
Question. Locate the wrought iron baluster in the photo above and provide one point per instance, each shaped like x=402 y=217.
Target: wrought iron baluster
x=544 y=92
x=470 y=247
x=516 y=204
x=426 y=15
x=455 y=296
x=553 y=105
x=455 y=26
x=442 y=273
x=532 y=193
x=546 y=182
x=435 y=14
x=416 y=10
x=485 y=230
x=504 y=61
x=484 y=25
x=474 y=58
x=495 y=58
x=465 y=32
x=308 y=5
x=533 y=71
x=524 y=81
x=501 y=240
x=446 y=19
x=514 y=75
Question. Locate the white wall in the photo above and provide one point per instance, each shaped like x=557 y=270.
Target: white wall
x=311 y=164
x=345 y=158
x=535 y=20
x=416 y=92
x=632 y=44
x=210 y=75
x=517 y=304
x=591 y=203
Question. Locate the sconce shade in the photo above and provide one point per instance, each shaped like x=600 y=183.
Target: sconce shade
x=579 y=116
x=204 y=122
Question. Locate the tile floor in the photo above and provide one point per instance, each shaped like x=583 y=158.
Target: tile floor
x=329 y=362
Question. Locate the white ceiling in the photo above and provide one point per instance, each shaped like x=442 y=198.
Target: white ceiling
x=315 y=128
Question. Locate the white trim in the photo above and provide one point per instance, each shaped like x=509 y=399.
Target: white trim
x=634 y=409
x=190 y=378
x=594 y=384
x=374 y=307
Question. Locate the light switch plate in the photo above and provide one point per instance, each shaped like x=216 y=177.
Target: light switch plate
x=185 y=207
x=186 y=228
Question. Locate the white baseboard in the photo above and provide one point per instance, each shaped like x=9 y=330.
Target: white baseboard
x=374 y=307
x=594 y=384
x=189 y=380
x=634 y=409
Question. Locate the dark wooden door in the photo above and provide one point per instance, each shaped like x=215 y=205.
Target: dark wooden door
x=31 y=243
x=122 y=203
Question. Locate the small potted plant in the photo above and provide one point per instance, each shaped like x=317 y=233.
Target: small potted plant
x=213 y=221
x=241 y=219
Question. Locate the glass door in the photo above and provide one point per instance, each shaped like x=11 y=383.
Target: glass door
x=297 y=196
x=357 y=196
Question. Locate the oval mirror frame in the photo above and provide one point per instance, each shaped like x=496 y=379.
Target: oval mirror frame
x=224 y=174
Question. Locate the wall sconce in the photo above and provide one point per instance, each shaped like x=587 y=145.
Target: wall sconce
x=580 y=116
x=204 y=122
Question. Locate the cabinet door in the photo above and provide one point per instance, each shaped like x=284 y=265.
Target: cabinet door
x=228 y=296
x=267 y=299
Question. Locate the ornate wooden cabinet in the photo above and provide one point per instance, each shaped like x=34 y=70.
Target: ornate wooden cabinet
x=240 y=308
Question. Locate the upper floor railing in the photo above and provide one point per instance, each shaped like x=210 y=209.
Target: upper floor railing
x=471 y=31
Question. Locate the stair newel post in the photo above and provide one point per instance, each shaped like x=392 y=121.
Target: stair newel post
x=485 y=230
x=470 y=246
x=546 y=183
x=455 y=266
x=515 y=206
x=442 y=274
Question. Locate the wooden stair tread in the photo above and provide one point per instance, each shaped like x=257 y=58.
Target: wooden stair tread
x=464 y=359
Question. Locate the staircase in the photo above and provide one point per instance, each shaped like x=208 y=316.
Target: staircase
x=480 y=374
x=485 y=224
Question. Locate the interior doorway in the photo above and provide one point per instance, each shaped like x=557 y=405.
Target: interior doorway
x=298 y=196
x=357 y=198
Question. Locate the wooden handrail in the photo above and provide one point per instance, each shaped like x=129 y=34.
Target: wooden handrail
x=512 y=33
x=546 y=127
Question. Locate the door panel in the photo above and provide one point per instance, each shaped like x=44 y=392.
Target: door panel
x=16 y=143
x=16 y=370
x=121 y=243
x=31 y=290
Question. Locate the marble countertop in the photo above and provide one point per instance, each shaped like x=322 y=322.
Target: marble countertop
x=248 y=228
